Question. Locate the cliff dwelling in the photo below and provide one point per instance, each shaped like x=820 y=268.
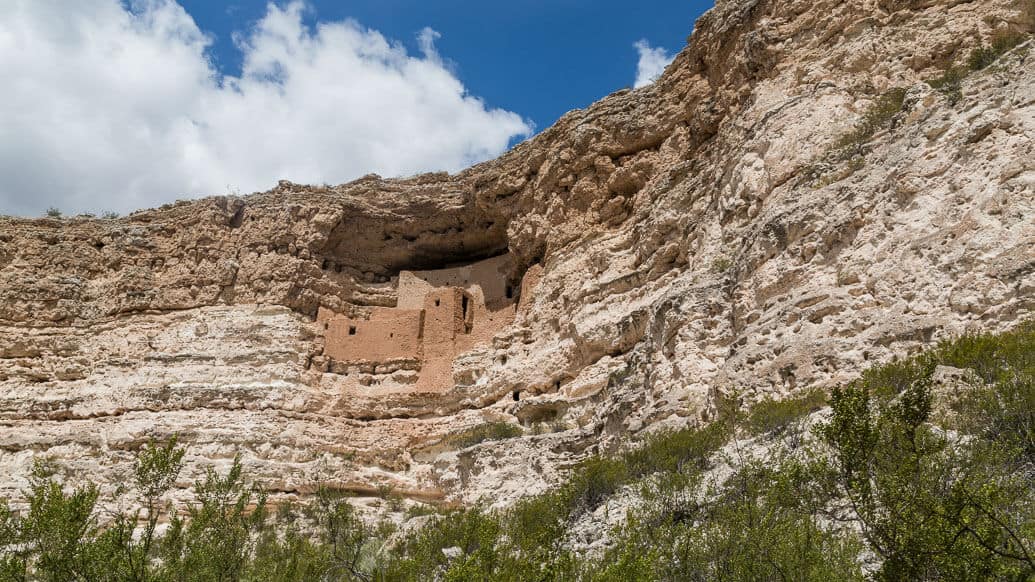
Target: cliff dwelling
x=439 y=315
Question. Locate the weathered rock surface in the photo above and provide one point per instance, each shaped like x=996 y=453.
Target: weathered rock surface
x=670 y=245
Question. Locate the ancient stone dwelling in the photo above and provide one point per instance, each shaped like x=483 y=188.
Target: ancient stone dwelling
x=439 y=315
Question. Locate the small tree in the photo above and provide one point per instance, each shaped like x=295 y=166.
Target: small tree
x=932 y=508
x=154 y=472
x=58 y=528
x=215 y=541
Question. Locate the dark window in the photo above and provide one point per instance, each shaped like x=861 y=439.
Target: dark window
x=352 y=330
x=438 y=302
x=510 y=292
x=463 y=307
x=517 y=395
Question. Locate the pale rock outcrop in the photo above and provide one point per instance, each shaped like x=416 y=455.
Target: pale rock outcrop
x=666 y=245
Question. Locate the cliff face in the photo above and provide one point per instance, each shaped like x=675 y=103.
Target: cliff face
x=665 y=245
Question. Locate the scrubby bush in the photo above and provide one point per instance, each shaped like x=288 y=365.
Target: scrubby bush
x=777 y=415
x=876 y=117
x=831 y=167
x=721 y=264
x=1001 y=43
x=490 y=431
x=931 y=505
x=950 y=84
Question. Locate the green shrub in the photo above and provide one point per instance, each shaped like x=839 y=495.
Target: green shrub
x=753 y=527
x=594 y=480
x=824 y=170
x=750 y=533
x=474 y=532
x=950 y=84
x=721 y=264
x=876 y=117
x=984 y=56
x=490 y=431
x=216 y=538
x=995 y=357
x=53 y=212
x=776 y=415
x=1003 y=409
x=931 y=508
x=676 y=450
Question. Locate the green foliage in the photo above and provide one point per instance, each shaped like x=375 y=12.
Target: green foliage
x=995 y=357
x=931 y=507
x=757 y=530
x=984 y=56
x=777 y=415
x=721 y=264
x=754 y=527
x=215 y=541
x=594 y=480
x=109 y=215
x=876 y=117
x=53 y=212
x=58 y=527
x=849 y=147
x=472 y=534
x=1003 y=409
x=490 y=431
x=350 y=544
x=675 y=450
x=950 y=84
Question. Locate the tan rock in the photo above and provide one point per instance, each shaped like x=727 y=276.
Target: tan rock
x=661 y=247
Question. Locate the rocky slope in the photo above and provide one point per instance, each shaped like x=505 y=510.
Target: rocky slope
x=693 y=238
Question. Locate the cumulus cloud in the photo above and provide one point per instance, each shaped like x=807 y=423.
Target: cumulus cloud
x=109 y=106
x=652 y=63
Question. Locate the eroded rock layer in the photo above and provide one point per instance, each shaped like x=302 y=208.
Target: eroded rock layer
x=661 y=247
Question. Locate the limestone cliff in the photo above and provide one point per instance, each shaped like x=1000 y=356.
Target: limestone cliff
x=663 y=246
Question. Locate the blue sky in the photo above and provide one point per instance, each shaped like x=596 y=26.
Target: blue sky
x=538 y=58
x=127 y=104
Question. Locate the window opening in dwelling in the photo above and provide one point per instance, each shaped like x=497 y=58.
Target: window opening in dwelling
x=517 y=395
x=463 y=313
x=352 y=330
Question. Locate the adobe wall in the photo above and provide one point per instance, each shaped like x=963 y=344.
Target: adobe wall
x=487 y=280
x=389 y=334
x=440 y=315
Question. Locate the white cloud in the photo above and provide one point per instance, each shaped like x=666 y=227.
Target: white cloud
x=108 y=107
x=652 y=62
